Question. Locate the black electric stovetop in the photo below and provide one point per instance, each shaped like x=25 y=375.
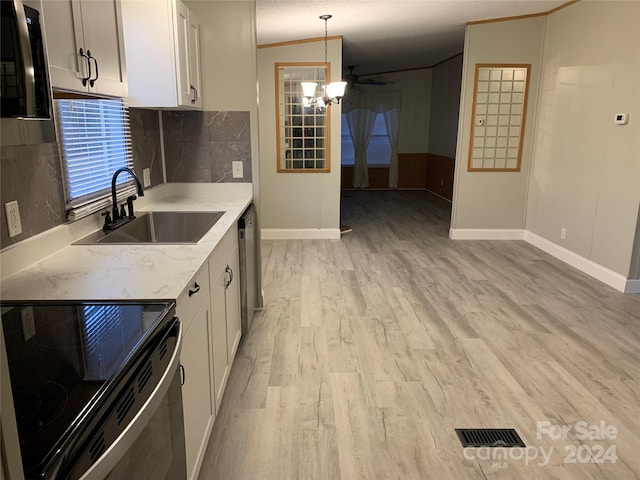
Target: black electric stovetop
x=61 y=355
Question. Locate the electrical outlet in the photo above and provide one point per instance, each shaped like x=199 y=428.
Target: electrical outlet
x=28 y=323
x=237 y=169
x=13 y=218
x=146 y=177
x=563 y=233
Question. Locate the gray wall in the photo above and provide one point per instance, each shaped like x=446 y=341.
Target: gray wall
x=445 y=106
x=297 y=200
x=586 y=174
x=495 y=200
x=415 y=88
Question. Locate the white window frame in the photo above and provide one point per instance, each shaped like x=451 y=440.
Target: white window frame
x=90 y=154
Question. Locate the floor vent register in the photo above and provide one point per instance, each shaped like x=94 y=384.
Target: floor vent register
x=489 y=437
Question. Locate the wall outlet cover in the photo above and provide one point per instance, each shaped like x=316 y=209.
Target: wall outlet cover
x=13 y=218
x=237 y=169
x=146 y=177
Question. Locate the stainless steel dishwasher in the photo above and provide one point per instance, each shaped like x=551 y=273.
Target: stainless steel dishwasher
x=248 y=268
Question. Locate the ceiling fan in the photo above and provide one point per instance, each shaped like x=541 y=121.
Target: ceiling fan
x=353 y=79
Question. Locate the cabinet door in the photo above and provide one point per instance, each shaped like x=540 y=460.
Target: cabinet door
x=196 y=391
x=182 y=53
x=234 y=323
x=102 y=26
x=219 y=333
x=194 y=61
x=64 y=34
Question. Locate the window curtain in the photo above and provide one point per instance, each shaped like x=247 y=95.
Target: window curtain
x=360 y=123
x=361 y=106
x=392 y=122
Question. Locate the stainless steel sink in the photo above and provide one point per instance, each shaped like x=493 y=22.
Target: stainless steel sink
x=158 y=227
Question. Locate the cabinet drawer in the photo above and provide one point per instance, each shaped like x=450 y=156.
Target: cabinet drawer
x=193 y=296
x=224 y=249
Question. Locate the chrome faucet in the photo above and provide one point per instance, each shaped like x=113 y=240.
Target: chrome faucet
x=116 y=215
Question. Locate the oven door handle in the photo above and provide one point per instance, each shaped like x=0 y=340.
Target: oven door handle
x=110 y=458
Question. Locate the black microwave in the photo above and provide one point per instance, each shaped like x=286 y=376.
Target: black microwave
x=24 y=87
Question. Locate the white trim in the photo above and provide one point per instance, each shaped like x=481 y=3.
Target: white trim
x=591 y=268
x=633 y=286
x=486 y=234
x=300 y=234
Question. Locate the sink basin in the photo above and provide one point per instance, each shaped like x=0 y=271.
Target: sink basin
x=158 y=227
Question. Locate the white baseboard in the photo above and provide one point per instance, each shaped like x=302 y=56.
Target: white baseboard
x=485 y=234
x=300 y=233
x=595 y=270
x=633 y=286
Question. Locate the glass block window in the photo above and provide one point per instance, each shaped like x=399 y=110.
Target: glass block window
x=498 y=117
x=303 y=129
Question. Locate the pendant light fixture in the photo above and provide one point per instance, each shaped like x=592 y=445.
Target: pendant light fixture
x=329 y=92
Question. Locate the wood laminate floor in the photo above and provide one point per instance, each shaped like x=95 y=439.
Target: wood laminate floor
x=372 y=349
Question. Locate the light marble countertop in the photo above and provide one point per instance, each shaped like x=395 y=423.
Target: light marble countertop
x=130 y=272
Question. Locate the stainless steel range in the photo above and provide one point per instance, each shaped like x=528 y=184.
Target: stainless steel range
x=95 y=389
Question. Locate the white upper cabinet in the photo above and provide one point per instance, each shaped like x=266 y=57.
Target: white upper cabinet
x=162 y=43
x=85 y=46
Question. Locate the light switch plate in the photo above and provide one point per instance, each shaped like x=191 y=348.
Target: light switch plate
x=237 y=169
x=13 y=218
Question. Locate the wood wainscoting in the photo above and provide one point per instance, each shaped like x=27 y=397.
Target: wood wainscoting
x=416 y=171
x=439 y=177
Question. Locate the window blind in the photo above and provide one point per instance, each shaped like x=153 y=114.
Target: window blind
x=95 y=140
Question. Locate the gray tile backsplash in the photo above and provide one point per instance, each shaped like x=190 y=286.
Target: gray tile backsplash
x=145 y=143
x=31 y=174
x=200 y=146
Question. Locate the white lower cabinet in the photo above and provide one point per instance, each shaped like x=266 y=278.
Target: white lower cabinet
x=195 y=360
x=232 y=303
x=209 y=310
x=219 y=335
x=225 y=310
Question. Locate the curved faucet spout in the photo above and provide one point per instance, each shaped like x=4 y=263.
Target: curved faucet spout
x=115 y=214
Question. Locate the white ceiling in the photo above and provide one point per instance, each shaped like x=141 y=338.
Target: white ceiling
x=380 y=36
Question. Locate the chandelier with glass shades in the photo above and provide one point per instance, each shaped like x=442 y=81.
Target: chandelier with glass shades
x=329 y=93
